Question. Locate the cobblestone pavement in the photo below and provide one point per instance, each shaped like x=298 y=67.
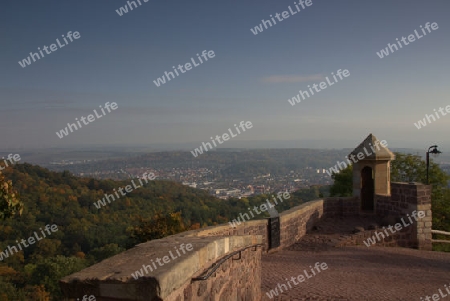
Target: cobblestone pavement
x=354 y=273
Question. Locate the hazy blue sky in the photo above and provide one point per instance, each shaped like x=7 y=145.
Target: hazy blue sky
x=118 y=57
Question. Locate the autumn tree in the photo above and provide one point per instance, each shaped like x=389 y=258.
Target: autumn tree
x=9 y=202
x=161 y=225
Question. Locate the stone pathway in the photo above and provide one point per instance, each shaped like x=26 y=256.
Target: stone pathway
x=354 y=273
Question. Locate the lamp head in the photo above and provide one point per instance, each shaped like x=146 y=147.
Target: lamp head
x=434 y=151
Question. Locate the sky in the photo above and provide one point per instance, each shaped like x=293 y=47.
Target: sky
x=250 y=78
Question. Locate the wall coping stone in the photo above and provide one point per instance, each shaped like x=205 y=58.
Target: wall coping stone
x=411 y=184
x=218 y=228
x=112 y=277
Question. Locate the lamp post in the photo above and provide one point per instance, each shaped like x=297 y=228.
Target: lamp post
x=435 y=151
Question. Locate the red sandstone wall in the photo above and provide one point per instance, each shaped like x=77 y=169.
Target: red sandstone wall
x=238 y=278
x=294 y=222
x=404 y=199
x=341 y=207
x=293 y=225
x=404 y=238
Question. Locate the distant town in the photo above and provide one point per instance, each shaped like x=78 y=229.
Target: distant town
x=224 y=174
x=212 y=180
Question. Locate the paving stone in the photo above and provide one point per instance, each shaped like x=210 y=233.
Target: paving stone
x=355 y=273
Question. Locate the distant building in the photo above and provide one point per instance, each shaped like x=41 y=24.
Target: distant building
x=260 y=189
x=192 y=185
x=233 y=192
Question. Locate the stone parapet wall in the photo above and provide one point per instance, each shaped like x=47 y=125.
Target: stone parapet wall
x=293 y=225
x=341 y=207
x=384 y=206
x=112 y=278
x=238 y=276
x=424 y=228
x=253 y=227
x=404 y=238
x=295 y=222
x=404 y=199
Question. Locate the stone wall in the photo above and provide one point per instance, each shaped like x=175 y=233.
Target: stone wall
x=404 y=199
x=236 y=251
x=253 y=227
x=115 y=278
x=295 y=222
x=341 y=207
x=404 y=238
x=237 y=278
x=293 y=225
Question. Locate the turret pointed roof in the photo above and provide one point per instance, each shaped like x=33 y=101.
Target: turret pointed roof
x=373 y=150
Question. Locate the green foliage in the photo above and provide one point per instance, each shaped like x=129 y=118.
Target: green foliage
x=102 y=253
x=410 y=168
x=8 y=292
x=441 y=215
x=9 y=201
x=87 y=235
x=50 y=270
x=441 y=247
x=343 y=182
x=161 y=225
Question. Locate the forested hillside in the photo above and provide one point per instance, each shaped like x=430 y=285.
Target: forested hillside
x=86 y=234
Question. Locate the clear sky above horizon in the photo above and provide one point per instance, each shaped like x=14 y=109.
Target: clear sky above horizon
x=250 y=78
